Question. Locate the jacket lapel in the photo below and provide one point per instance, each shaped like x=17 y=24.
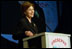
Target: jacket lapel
x=31 y=27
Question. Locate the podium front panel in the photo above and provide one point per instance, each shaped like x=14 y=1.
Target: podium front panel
x=57 y=41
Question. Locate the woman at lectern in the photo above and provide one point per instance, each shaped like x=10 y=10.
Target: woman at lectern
x=26 y=27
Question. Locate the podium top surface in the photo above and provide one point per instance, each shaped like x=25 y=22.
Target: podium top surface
x=60 y=34
x=46 y=33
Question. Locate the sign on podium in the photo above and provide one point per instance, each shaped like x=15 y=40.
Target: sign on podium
x=50 y=40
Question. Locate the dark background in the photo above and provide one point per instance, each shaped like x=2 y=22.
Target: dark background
x=10 y=15
x=64 y=20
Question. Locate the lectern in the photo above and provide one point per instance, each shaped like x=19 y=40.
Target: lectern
x=50 y=40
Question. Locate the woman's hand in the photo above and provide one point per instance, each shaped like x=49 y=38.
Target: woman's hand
x=28 y=33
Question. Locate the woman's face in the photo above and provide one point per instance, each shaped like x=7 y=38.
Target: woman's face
x=30 y=12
